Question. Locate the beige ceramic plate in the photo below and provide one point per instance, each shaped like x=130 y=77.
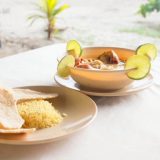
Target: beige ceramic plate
x=79 y=116
x=128 y=90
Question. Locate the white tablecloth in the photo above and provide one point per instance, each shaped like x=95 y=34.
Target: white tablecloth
x=126 y=128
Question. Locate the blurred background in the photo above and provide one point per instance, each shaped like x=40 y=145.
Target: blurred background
x=26 y=25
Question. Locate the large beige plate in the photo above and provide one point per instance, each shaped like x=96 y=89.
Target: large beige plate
x=135 y=87
x=81 y=111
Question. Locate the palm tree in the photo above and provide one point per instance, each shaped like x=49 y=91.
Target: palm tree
x=48 y=10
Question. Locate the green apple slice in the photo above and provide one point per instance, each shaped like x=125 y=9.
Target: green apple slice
x=147 y=49
x=74 y=48
x=63 y=66
x=140 y=67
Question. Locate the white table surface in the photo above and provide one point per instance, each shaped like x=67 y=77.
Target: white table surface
x=126 y=128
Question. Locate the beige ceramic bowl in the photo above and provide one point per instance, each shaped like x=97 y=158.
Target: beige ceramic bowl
x=100 y=79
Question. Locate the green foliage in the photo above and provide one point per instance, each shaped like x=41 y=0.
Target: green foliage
x=144 y=31
x=48 y=10
x=149 y=7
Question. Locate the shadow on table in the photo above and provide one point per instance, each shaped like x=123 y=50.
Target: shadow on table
x=112 y=101
x=33 y=152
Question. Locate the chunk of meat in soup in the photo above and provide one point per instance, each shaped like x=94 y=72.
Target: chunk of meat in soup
x=109 y=57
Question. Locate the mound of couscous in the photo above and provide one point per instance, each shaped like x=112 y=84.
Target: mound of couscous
x=39 y=114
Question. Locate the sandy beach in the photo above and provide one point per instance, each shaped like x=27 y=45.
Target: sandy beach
x=92 y=23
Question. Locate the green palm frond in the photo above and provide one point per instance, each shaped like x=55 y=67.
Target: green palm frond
x=51 y=5
x=60 y=9
x=48 y=6
x=35 y=17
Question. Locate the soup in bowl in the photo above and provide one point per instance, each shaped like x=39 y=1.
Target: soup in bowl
x=102 y=68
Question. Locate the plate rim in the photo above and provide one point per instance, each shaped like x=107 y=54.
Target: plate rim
x=69 y=133
x=106 y=94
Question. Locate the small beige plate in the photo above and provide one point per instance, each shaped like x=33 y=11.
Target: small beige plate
x=80 y=110
x=128 y=90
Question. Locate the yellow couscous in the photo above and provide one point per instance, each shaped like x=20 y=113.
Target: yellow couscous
x=39 y=114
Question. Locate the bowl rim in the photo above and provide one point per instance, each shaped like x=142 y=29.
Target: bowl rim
x=103 y=71
x=96 y=47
